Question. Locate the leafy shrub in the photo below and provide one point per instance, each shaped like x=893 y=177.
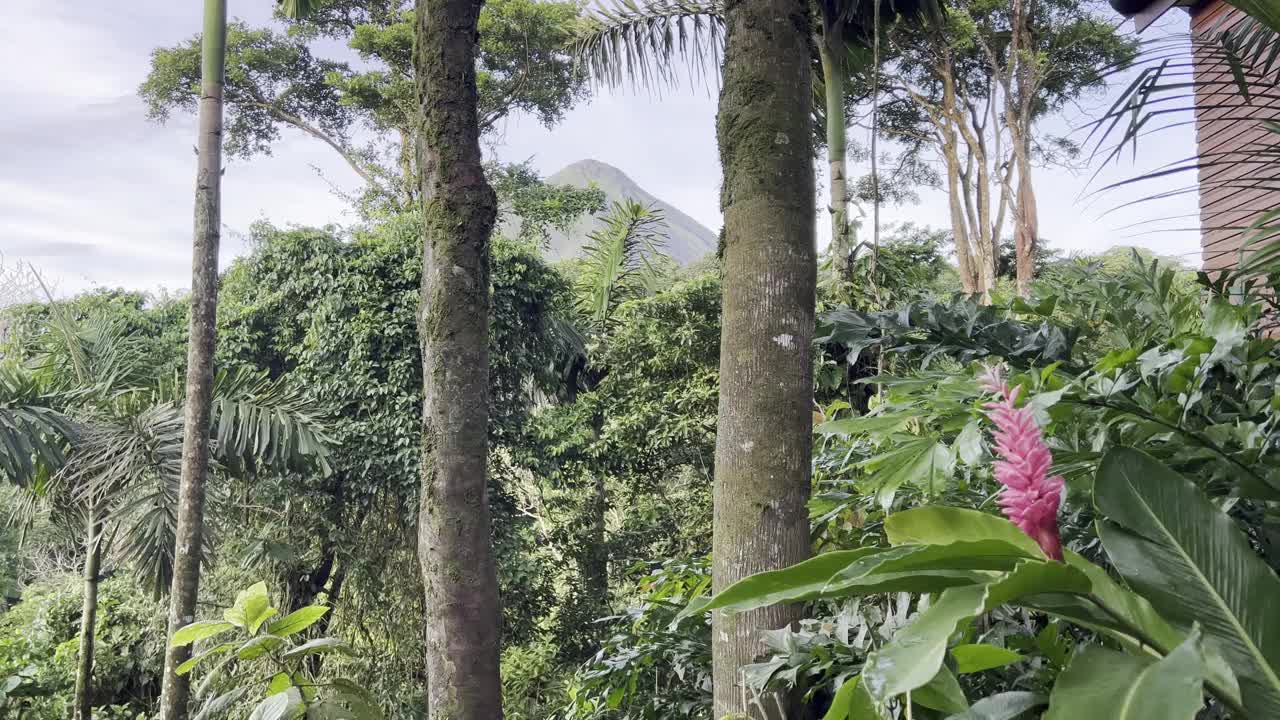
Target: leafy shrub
x=39 y=640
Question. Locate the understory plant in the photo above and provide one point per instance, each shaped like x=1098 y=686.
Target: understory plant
x=1185 y=623
x=265 y=664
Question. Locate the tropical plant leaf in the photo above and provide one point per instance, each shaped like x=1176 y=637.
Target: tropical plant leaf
x=979 y=657
x=1002 y=706
x=215 y=706
x=198 y=631
x=943 y=693
x=297 y=621
x=1194 y=565
x=1105 y=683
x=853 y=703
x=615 y=258
x=917 y=650
x=319 y=645
x=646 y=44
x=195 y=660
x=252 y=605
x=939 y=525
x=280 y=706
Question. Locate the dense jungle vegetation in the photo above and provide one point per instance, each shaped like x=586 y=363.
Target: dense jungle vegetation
x=412 y=468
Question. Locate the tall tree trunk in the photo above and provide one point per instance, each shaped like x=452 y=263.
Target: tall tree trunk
x=454 y=546
x=408 y=179
x=959 y=229
x=88 y=618
x=1026 y=229
x=1018 y=108
x=175 y=689
x=842 y=236
x=764 y=436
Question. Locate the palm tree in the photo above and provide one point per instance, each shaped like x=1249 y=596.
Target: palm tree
x=199 y=386
x=645 y=44
x=97 y=440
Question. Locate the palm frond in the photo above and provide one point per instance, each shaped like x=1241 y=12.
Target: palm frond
x=616 y=260
x=33 y=435
x=127 y=473
x=260 y=422
x=653 y=44
x=296 y=9
x=1264 y=11
x=1229 y=73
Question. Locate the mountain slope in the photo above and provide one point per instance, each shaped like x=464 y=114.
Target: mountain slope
x=688 y=240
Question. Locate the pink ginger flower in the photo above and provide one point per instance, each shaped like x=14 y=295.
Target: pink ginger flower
x=1030 y=498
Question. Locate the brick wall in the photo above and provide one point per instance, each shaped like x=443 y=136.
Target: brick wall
x=1228 y=138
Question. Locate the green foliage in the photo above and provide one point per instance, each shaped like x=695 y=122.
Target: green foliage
x=38 y=648
x=655 y=664
x=538 y=207
x=270 y=76
x=1187 y=562
x=618 y=260
x=961 y=330
x=266 y=666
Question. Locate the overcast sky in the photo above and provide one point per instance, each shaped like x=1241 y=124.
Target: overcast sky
x=93 y=194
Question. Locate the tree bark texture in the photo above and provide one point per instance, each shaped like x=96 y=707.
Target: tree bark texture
x=88 y=619
x=764 y=436
x=459 y=210
x=175 y=690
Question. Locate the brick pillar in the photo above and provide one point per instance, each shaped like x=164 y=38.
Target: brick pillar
x=1228 y=139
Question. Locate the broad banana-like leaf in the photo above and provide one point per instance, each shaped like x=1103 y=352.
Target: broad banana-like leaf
x=853 y=703
x=915 y=654
x=1002 y=706
x=1102 y=683
x=1187 y=557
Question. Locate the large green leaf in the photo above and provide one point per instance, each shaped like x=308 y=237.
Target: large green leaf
x=853 y=703
x=280 y=706
x=319 y=645
x=1002 y=706
x=865 y=571
x=197 y=631
x=801 y=581
x=195 y=660
x=251 y=609
x=1194 y=565
x=979 y=657
x=938 y=525
x=297 y=621
x=942 y=693
x=916 y=652
x=1102 y=683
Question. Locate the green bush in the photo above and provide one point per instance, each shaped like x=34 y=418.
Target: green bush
x=39 y=640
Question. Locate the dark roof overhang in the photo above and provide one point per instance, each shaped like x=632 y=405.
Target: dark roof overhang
x=1145 y=12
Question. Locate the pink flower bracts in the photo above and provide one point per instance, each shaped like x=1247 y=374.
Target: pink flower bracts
x=1030 y=498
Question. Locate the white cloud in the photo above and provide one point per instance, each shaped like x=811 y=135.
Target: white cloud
x=94 y=193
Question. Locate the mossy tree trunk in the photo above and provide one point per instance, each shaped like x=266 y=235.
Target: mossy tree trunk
x=764 y=436
x=175 y=690
x=459 y=207
x=88 y=618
